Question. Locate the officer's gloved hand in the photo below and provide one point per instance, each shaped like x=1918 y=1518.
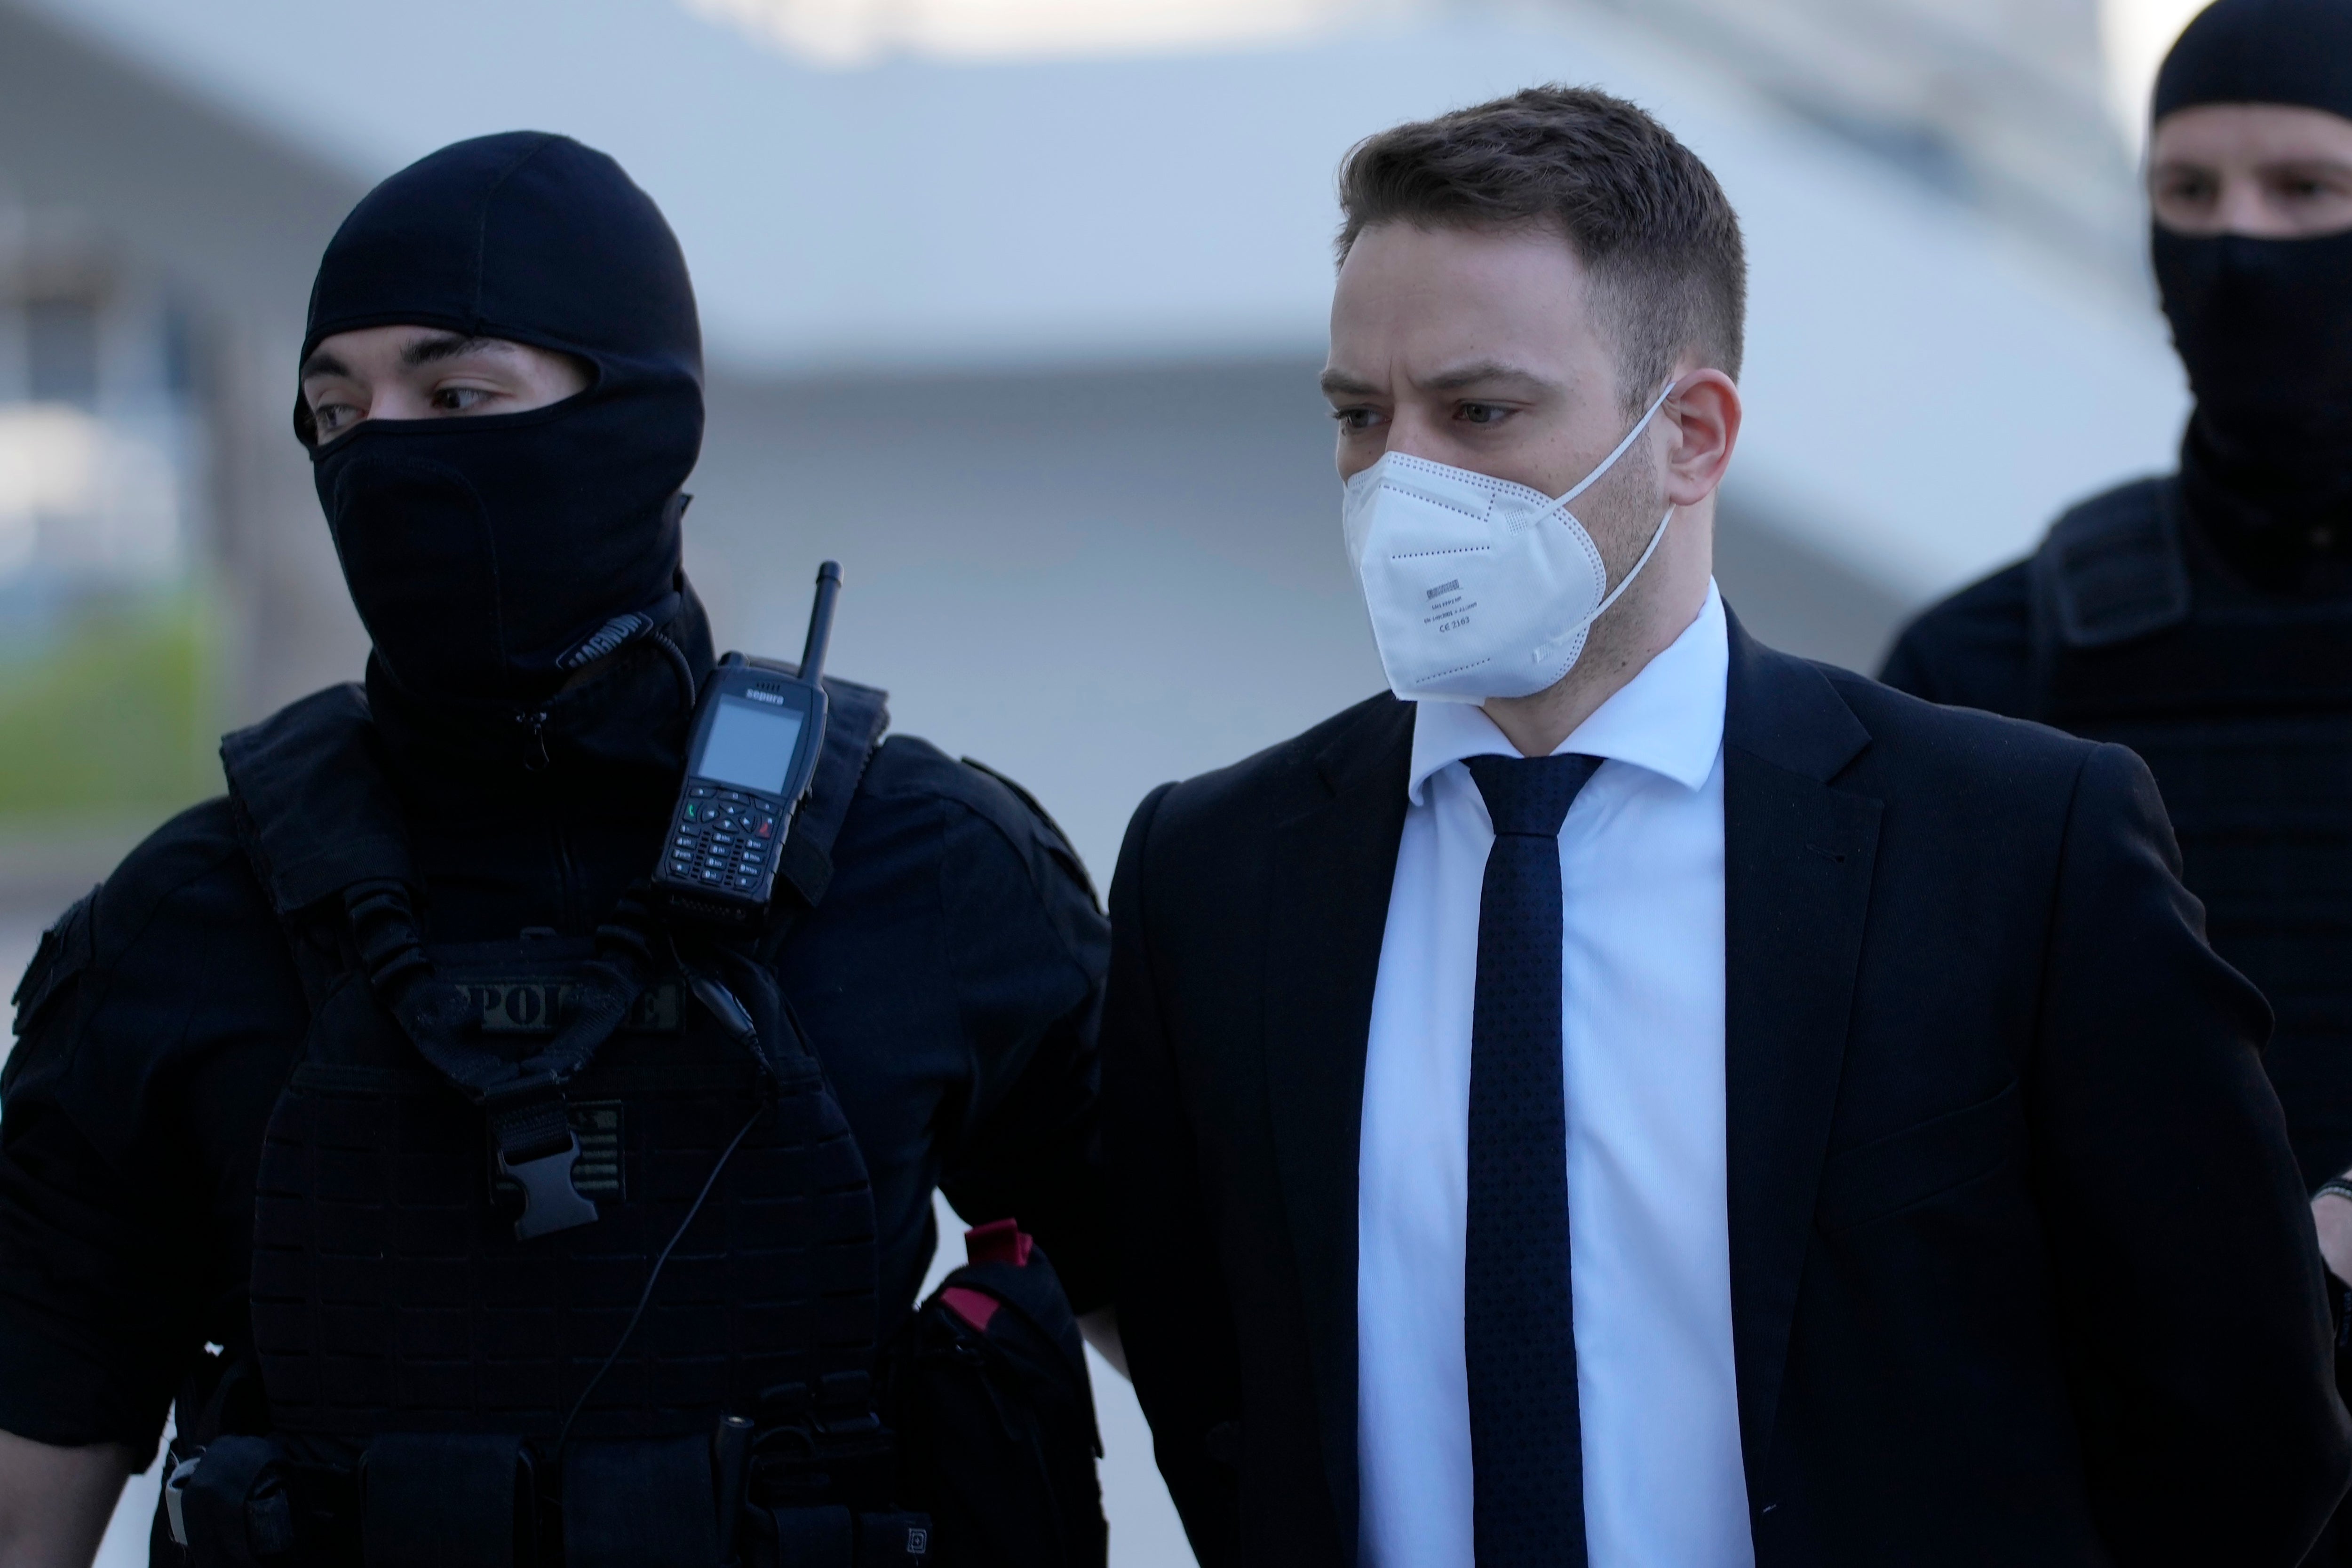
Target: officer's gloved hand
x=2331 y=1214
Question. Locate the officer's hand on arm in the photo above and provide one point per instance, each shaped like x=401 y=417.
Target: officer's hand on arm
x=2331 y=1214
x=1028 y=949
x=55 y=1503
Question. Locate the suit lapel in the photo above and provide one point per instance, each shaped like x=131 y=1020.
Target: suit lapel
x=1327 y=911
x=1797 y=857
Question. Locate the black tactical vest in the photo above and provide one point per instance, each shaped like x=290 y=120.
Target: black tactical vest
x=2241 y=705
x=564 y=1252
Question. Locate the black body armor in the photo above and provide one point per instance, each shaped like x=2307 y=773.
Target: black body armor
x=2241 y=705
x=563 y=1250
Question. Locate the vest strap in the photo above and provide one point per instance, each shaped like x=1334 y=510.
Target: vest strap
x=522 y=1100
x=856 y=719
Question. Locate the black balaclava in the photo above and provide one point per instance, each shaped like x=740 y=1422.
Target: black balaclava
x=2264 y=326
x=491 y=556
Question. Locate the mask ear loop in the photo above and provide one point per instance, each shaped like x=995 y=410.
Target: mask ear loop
x=1627 y=580
x=1656 y=535
x=1632 y=435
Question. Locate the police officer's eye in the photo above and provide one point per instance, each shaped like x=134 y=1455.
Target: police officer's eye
x=2185 y=187
x=1481 y=413
x=329 y=416
x=460 y=400
x=1356 y=419
x=2307 y=188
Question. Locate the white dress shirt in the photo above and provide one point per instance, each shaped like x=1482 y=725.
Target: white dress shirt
x=1642 y=879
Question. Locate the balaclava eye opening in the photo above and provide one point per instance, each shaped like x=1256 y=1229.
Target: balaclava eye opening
x=492 y=556
x=2264 y=326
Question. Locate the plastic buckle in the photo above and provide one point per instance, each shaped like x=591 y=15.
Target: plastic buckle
x=550 y=1202
x=176 y=1486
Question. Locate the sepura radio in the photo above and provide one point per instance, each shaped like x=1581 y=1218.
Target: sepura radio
x=758 y=728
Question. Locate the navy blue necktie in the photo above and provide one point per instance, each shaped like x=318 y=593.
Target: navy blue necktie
x=1527 y=1445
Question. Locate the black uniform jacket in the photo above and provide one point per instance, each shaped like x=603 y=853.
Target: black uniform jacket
x=949 y=981
x=1974 y=650
x=2020 y=1267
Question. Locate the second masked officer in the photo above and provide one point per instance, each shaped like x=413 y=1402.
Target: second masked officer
x=2204 y=618
x=232 y=1118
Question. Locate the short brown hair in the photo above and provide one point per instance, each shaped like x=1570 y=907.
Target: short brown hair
x=1642 y=213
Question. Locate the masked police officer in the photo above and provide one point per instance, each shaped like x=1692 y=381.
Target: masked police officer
x=2205 y=618
x=474 y=1206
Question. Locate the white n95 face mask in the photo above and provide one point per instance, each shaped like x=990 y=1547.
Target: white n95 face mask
x=1478 y=588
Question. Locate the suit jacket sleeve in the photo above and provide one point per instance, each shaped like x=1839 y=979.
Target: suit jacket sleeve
x=1175 y=1319
x=2189 y=1282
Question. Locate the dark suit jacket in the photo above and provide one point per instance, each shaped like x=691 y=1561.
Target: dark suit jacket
x=2021 y=1270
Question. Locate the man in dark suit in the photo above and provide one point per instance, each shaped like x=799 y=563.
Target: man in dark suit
x=1635 y=1098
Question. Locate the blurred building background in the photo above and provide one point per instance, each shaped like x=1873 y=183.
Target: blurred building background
x=1015 y=307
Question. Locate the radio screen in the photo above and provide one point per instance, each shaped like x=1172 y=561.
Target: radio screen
x=751 y=745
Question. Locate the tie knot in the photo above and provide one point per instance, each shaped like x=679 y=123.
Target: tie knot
x=1530 y=795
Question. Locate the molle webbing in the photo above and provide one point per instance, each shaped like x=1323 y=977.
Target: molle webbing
x=390 y=1292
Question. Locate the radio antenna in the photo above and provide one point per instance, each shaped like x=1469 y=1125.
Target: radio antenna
x=820 y=632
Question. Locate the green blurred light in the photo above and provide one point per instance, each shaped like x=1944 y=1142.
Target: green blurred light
x=118 y=713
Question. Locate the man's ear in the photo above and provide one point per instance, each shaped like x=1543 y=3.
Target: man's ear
x=1702 y=421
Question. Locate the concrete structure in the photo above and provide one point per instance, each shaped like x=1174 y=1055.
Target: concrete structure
x=2000 y=105
x=231 y=221
x=993 y=434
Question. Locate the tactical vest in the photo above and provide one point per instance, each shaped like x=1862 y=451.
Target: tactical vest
x=2241 y=705
x=564 y=1252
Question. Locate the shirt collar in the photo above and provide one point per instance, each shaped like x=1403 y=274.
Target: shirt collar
x=1668 y=719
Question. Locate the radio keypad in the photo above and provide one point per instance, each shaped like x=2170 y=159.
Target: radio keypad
x=723 y=838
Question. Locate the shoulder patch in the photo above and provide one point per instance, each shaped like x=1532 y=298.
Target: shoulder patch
x=66 y=950
x=1058 y=842
x=909 y=767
